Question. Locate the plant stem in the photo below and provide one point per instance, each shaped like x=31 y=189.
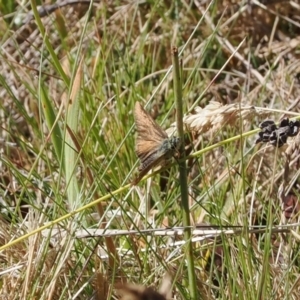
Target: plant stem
x=183 y=174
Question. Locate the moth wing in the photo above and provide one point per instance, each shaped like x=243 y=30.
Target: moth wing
x=144 y=149
x=147 y=128
x=152 y=143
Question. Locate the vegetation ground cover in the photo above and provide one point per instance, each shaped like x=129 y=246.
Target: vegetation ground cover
x=71 y=73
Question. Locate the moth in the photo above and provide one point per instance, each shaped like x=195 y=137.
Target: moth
x=153 y=146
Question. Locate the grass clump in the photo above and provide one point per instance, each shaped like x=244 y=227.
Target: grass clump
x=72 y=226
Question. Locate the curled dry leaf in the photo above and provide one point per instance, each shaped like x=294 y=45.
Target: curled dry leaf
x=138 y=292
x=291 y=205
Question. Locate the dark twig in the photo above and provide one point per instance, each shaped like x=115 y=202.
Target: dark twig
x=46 y=10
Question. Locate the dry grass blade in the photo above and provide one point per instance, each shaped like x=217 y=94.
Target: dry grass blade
x=71 y=157
x=101 y=287
x=77 y=81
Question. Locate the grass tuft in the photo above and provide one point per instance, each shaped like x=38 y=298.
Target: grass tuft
x=72 y=226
